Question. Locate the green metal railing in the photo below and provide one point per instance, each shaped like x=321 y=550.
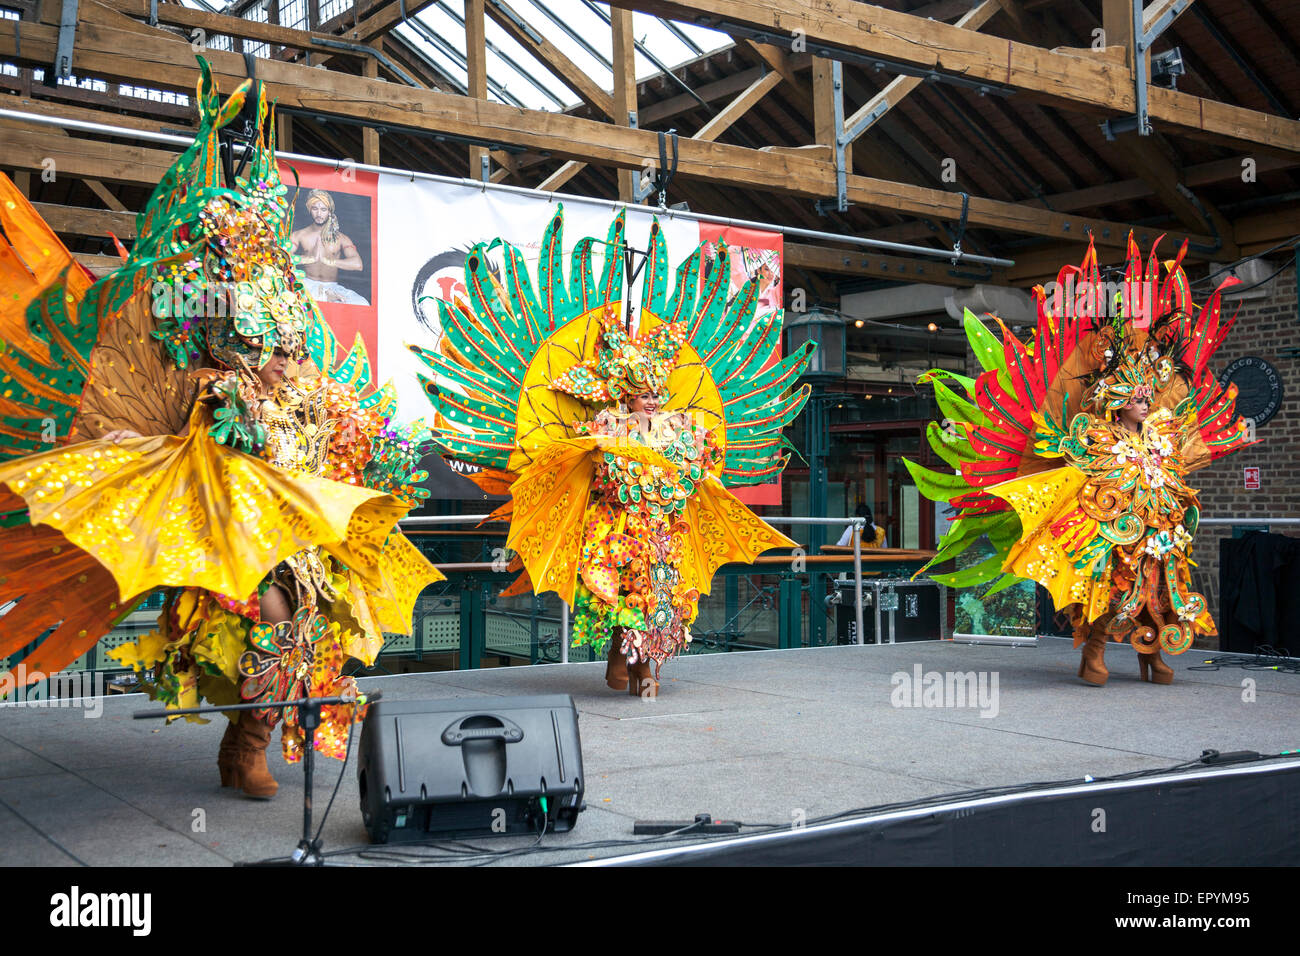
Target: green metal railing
x=459 y=623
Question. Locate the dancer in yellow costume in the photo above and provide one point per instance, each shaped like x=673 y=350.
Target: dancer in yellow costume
x=182 y=424
x=1073 y=451
x=616 y=429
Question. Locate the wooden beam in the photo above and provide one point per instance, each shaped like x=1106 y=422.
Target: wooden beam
x=737 y=107
x=98 y=188
x=625 y=89
x=561 y=176
x=476 y=56
x=1158 y=8
x=79 y=221
x=389 y=14
x=725 y=88
x=166 y=63
x=859 y=262
x=1117 y=26
x=82 y=159
x=1267 y=228
x=369 y=134
x=1078 y=81
x=216 y=24
x=550 y=56
x=44 y=107
x=284 y=132
x=1144 y=155
x=106 y=197
x=787 y=64
x=1149 y=161
x=823 y=98
x=898 y=88
x=99 y=265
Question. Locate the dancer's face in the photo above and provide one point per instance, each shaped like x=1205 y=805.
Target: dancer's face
x=646 y=402
x=272 y=373
x=1135 y=413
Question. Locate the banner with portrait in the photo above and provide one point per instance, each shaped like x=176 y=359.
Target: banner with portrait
x=378 y=250
x=335 y=235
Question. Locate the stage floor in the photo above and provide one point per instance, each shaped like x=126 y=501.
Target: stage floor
x=760 y=737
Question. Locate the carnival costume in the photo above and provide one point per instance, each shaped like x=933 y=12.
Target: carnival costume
x=1070 y=496
x=233 y=488
x=626 y=516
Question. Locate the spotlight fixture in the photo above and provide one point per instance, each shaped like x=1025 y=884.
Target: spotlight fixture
x=932 y=327
x=1167 y=67
x=858 y=323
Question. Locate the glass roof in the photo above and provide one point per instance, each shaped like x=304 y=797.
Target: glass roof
x=577 y=28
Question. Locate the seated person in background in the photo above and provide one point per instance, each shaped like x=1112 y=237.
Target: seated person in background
x=873 y=536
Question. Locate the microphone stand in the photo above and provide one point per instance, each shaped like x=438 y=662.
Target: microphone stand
x=309 y=708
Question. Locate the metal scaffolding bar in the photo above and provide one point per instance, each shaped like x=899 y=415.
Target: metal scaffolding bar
x=104 y=128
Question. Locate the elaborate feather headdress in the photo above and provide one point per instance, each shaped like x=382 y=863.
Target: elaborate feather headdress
x=626 y=365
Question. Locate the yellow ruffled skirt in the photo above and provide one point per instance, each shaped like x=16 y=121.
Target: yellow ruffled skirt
x=111 y=522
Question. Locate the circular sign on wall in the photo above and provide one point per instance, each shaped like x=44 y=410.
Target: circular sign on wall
x=1259 y=388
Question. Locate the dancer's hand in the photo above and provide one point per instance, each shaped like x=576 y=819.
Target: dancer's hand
x=118 y=435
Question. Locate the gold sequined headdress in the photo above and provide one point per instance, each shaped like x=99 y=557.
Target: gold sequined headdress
x=1128 y=372
x=214 y=256
x=626 y=365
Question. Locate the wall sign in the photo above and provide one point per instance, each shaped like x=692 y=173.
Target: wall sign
x=1259 y=387
x=1252 y=478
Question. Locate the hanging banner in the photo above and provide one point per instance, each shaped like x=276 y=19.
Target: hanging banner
x=753 y=254
x=428 y=229
x=378 y=249
x=335 y=235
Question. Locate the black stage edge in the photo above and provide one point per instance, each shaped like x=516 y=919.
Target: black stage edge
x=1237 y=816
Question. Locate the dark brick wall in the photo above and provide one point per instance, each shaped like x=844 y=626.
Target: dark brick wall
x=1268 y=328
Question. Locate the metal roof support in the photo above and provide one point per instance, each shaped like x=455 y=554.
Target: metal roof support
x=663 y=68
x=67 y=40
x=785 y=42
x=458 y=58
x=1212 y=28
x=184 y=141
x=841 y=140
x=574 y=35
x=429 y=64
x=368 y=51
x=681 y=34
x=505 y=58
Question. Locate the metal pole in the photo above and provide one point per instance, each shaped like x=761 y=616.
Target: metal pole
x=1251 y=519
x=443 y=519
x=857 y=575
x=570 y=198
x=875 y=585
x=564 y=631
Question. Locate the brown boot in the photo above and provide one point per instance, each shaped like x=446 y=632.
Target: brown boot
x=254 y=779
x=641 y=680
x=1092 y=666
x=1151 y=667
x=616 y=669
x=228 y=756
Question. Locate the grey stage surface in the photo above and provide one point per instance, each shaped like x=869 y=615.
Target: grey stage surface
x=758 y=737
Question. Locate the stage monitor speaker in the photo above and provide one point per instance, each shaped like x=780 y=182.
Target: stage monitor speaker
x=469 y=766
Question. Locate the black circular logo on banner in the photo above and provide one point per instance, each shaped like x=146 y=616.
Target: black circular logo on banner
x=1259 y=387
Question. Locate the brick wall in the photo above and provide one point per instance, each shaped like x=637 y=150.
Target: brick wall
x=1266 y=328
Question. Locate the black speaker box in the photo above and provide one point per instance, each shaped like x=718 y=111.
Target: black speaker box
x=470 y=766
